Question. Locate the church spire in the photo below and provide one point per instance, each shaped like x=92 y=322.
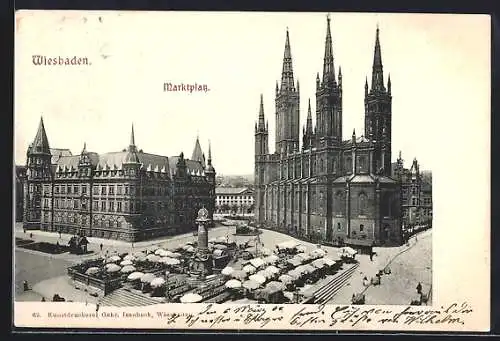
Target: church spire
x=261 y=124
x=41 y=142
x=328 y=67
x=287 y=82
x=309 y=128
x=377 y=71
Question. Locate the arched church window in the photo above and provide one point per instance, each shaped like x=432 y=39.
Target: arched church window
x=362 y=203
x=386 y=205
x=348 y=164
x=361 y=163
x=338 y=205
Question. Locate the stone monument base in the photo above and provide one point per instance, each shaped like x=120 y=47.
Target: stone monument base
x=201 y=265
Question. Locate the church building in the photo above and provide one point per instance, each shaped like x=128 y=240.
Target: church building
x=330 y=189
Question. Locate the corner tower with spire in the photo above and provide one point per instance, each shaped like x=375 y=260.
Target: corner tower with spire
x=287 y=106
x=38 y=166
x=378 y=109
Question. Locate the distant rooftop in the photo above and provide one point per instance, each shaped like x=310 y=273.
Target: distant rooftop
x=231 y=190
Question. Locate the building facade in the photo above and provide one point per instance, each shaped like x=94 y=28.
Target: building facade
x=20 y=178
x=234 y=200
x=416 y=193
x=128 y=195
x=329 y=189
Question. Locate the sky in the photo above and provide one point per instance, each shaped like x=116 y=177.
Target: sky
x=439 y=66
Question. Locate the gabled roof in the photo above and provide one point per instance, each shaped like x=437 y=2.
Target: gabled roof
x=362 y=178
x=361 y=141
x=426 y=186
x=232 y=190
x=115 y=160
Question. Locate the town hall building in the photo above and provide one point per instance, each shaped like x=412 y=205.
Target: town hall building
x=128 y=195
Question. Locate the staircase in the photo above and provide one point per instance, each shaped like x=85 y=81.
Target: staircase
x=329 y=290
x=125 y=298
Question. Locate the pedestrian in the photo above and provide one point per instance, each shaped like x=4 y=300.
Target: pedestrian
x=24 y=230
x=132 y=245
x=59 y=234
x=371 y=256
x=100 y=247
x=25 y=285
x=43 y=299
x=419 y=288
x=97 y=307
x=31 y=235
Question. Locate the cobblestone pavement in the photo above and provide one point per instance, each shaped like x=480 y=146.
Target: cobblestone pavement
x=46 y=274
x=409 y=265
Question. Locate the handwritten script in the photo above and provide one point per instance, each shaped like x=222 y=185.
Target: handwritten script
x=317 y=316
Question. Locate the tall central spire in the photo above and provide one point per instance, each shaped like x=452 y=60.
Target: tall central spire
x=328 y=66
x=377 y=70
x=287 y=82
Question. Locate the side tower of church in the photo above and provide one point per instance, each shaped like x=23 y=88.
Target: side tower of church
x=378 y=113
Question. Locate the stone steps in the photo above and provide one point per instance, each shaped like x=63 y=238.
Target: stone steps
x=124 y=298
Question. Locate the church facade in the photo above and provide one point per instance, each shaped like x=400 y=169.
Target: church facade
x=328 y=188
x=128 y=195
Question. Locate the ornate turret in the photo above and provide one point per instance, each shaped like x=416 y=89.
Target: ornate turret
x=132 y=156
x=38 y=170
x=210 y=168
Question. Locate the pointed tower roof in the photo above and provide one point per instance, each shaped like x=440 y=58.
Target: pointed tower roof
x=198 y=153
x=377 y=70
x=287 y=82
x=41 y=143
x=132 y=156
x=261 y=124
x=389 y=83
x=309 y=125
x=328 y=66
x=210 y=168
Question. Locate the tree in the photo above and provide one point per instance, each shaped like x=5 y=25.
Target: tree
x=234 y=209
x=225 y=208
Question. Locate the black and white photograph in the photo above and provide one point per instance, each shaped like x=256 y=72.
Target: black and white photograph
x=251 y=160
